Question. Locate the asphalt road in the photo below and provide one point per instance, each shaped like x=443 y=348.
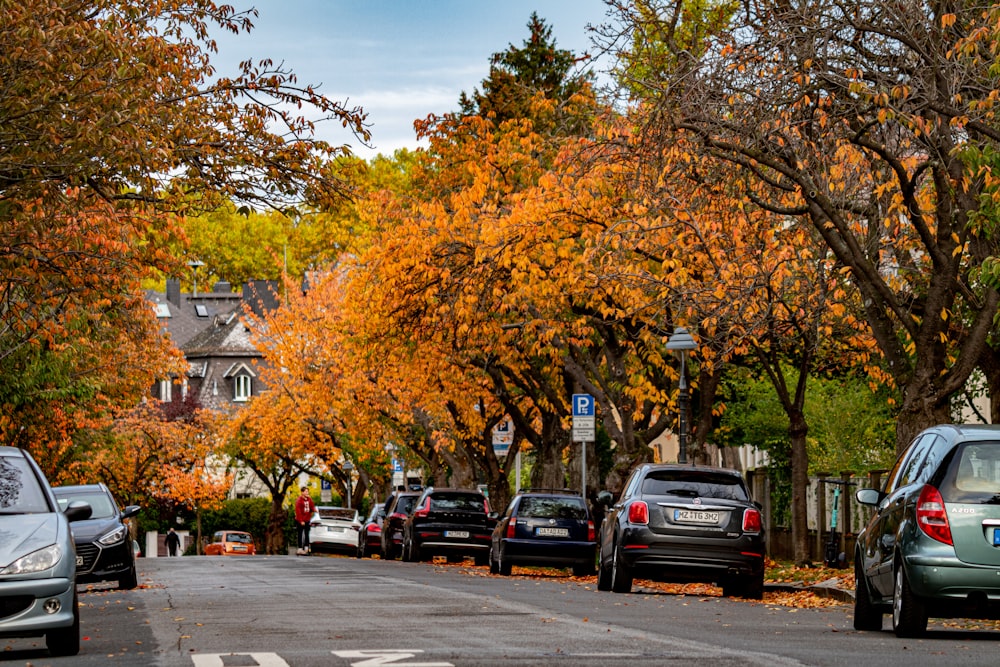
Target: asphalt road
x=287 y=611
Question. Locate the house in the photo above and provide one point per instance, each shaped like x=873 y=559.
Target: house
x=224 y=366
x=210 y=330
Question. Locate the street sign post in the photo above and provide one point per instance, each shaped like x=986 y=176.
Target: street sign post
x=584 y=430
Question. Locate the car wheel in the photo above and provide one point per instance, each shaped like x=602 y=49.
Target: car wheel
x=621 y=574
x=66 y=641
x=909 y=614
x=494 y=565
x=360 y=552
x=503 y=565
x=603 y=574
x=750 y=588
x=129 y=580
x=866 y=615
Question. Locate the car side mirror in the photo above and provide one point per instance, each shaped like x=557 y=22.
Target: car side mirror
x=78 y=510
x=605 y=498
x=870 y=497
x=130 y=511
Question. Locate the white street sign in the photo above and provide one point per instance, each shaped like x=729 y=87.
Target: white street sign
x=583 y=434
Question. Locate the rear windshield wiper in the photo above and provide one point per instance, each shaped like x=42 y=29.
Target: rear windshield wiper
x=687 y=493
x=995 y=500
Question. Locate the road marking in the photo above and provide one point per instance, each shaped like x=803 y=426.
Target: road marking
x=378 y=658
x=215 y=659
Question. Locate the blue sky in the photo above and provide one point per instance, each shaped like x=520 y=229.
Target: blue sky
x=400 y=60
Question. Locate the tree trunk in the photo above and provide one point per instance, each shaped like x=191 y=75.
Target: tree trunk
x=275 y=538
x=797 y=431
x=923 y=406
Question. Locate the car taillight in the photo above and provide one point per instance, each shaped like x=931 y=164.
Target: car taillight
x=423 y=511
x=751 y=520
x=638 y=512
x=511 y=527
x=931 y=516
x=591 y=535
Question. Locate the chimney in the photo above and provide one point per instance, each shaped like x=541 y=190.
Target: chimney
x=174 y=291
x=261 y=295
x=222 y=287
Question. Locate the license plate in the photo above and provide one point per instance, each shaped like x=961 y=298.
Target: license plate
x=239 y=548
x=334 y=529
x=462 y=534
x=547 y=531
x=79 y=561
x=695 y=516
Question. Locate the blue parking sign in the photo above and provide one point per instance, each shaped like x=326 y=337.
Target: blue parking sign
x=583 y=405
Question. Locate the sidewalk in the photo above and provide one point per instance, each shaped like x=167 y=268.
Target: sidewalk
x=831 y=588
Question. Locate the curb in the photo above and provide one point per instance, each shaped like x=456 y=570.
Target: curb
x=827 y=589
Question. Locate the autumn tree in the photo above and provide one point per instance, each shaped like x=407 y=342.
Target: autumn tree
x=858 y=122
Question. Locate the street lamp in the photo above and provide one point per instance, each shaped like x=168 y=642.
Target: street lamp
x=681 y=341
x=348 y=468
x=195 y=264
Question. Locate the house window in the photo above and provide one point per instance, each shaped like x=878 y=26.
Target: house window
x=242 y=388
x=166 y=390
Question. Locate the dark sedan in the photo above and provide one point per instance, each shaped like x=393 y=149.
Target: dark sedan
x=397 y=508
x=103 y=543
x=551 y=528
x=449 y=522
x=683 y=523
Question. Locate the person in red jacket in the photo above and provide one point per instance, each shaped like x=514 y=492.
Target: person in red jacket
x=304 y=508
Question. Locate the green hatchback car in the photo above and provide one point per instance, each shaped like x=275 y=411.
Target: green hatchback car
x=932 y=545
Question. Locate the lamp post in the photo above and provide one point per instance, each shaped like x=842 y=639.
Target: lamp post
x=195 y=265
x=681 y=341
x=348 y=468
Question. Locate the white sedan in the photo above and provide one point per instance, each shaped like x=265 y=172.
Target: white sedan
x=334 y=529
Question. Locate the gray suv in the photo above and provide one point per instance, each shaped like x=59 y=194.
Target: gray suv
x=37 y=557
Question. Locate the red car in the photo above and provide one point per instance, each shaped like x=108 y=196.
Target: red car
x=370 y=536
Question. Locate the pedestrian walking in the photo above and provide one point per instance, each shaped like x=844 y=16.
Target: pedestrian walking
x=304 y=508
x=173 y=541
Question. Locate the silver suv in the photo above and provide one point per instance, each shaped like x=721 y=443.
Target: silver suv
x=37 y=557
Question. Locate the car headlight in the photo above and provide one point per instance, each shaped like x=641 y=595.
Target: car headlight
x=114 y=537
x=36 y=561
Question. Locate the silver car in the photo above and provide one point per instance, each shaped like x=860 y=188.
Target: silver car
x=37 y=557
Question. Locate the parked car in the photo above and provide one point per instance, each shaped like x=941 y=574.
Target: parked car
x=550 y=528
x=370 y=537
x=37 y=557
x=449 y=522
x=932 y=545
x=397 y=507
x=104 y=550
x=334 y=529
x=681 y=523
x=231 y=543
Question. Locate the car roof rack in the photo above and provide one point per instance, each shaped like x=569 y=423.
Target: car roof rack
x=539 y=489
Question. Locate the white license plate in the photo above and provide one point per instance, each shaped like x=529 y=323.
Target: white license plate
x=239 y=548
x=79 y=561
x=546 y=531
x=461 y=534
x=334 y=529
x=696 y=516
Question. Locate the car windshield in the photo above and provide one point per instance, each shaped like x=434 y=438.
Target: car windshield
x=336 y=513
x=694 y=484
x=242 y=538
x=405 y=504
x=100 y=503
x=463 y=502
x=560 y=508
x=20 y=492
x=974 y=475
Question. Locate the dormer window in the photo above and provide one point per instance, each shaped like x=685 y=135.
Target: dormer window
x=242 y=376
x=242 y=388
